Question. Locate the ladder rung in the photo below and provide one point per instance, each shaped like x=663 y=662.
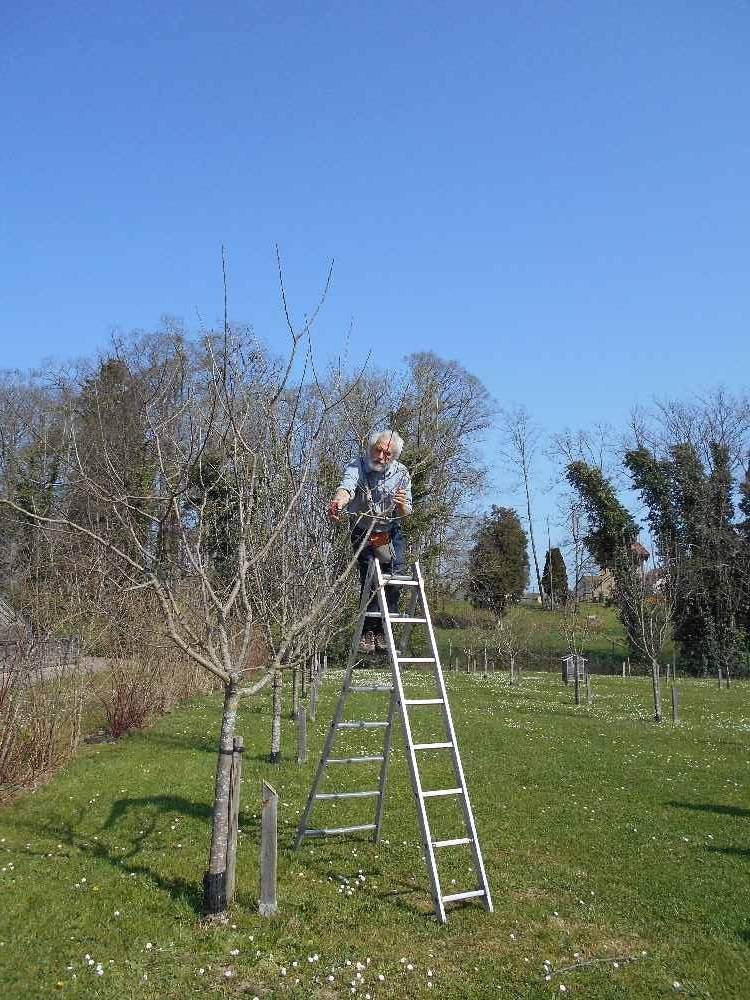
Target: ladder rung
x=432 y=746
x=416 y=659
x=346 y=795
x=353 y=760
x=400 y=581
x=472 y=894
x=370 y=687
x=423 y=701
x=399 y=619
x=363 y=725
x=333 y=831
x=456 y=842
x=439 y=792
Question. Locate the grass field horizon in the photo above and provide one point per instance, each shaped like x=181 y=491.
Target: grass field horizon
x=617 y=852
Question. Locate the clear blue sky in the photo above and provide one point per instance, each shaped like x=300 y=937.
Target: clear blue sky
x=555 y=194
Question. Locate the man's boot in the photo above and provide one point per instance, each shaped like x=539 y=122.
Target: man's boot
x=367 y=643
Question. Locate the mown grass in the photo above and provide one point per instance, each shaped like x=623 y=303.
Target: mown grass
x=613 y=846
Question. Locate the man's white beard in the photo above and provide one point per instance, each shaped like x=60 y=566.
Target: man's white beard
x=374 y=466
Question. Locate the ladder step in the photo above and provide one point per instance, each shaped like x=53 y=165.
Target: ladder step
x=400 y=581
x=370 y=687
x=472 y=894
x=423 y=701
x=456 y=842
x=432 y=746
x=416 y=659
x=332 y=832
x=354 y=760
x=346 y=795
x=440 y=792
x=398 y=619
x=363 y=725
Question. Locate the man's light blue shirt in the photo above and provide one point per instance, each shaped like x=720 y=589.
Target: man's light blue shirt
x=359 y=481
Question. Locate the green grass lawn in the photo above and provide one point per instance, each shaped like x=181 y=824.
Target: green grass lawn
x=618 y=853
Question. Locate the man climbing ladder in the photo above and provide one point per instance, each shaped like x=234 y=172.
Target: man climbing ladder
x=375 y=607
x=376 y=490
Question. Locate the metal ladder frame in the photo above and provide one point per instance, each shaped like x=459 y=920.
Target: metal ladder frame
x=376 y=581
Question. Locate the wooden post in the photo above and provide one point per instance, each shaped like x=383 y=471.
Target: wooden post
x=267 y=904
x=325 y=662
x=720 y=679
x=589 y=693
x=512 y=668
x=577 y=685
x=675 y=706
x=485 y=660
x=238 y=749
x=623 y=669
x=302 y=735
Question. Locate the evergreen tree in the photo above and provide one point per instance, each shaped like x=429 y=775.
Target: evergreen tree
x=555 y=577
x=498 y=562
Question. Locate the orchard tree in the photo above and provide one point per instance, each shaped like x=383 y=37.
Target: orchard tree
x=220 y=451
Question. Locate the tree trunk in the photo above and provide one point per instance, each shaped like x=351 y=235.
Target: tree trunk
x=295 y=692
x=657 y=690
x=274 y=756
x=531 y=530
x=214 y=881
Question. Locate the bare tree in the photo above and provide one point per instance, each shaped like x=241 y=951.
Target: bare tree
x=522 y=437
x=650 y=605
x=212 y=472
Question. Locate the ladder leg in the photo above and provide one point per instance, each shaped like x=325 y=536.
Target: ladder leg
x=416 y=783
x=338 y=712
x=456 y=756
x=323 y=758
x=384 y=767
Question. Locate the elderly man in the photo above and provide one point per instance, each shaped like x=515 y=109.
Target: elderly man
x=376 y=489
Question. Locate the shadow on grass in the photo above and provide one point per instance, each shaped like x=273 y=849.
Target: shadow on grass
x=150 y=810
x=732 y=852
x=713 y=807
x=406 y=894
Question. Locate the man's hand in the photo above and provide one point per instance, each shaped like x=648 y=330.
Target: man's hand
x=399 y=499
x=340 y=500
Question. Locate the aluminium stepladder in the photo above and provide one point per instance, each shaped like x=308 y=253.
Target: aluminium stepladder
x=399 y=703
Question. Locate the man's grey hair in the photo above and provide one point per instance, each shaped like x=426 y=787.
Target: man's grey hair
x=392 y=437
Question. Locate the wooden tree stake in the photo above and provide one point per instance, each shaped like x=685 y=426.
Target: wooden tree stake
x=301 y=736
x=267 y=904
x=234 y=813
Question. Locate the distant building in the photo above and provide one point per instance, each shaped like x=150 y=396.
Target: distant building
x=531 y=597
x=601 y=586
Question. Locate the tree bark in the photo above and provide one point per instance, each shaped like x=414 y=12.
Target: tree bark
x=657 y=690
x=275 y=755
x=215 y=895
